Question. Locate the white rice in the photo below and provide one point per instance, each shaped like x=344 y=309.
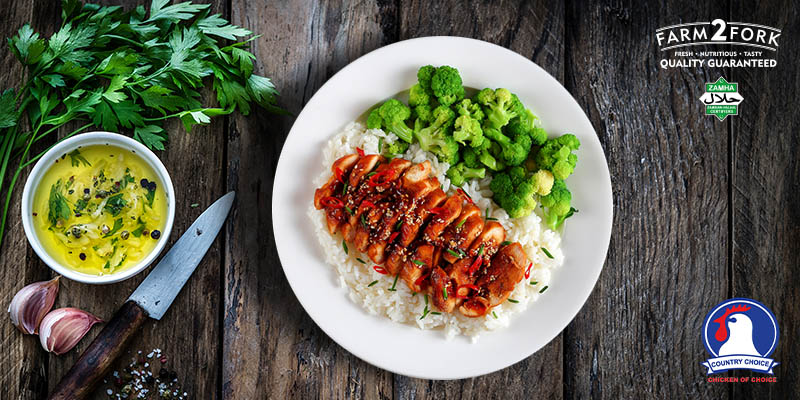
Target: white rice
x=399 y=305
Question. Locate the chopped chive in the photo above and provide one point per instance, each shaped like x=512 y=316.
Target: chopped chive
x=461 y=252
x=534 y=282
x=494 y=315
x=452 y=253
x=547 y=253
x=373 y=283
x=461 y=223
x=195 y=205
x=426 y=300
x=380 y=145
x=344 y=246
x=506 y=243
x=371 y=173
x=360 y=260
x=364 y=221
x=344 y=189
x=480 y=251
x=349 y=210
x=413 y=294
x=487 y=212
x=513 y=301
x=444 y=292
x=394 y=284
x=543 y=289
x=491 y=219
x=436 y=313
x=418 y=262
x=399 y=224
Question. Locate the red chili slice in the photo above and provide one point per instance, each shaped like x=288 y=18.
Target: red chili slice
x=528 y=271
x=463 y=193
x=380 y=269
x=360 y=152
x=436 y=210
x=421 y=279
x=368 y=204
x=466 y=286
x=393 y=236
x=380 y=179
x=332 y=202
x=475 y=265
x=338 y=172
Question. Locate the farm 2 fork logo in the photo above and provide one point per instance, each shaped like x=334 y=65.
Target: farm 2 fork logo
x=740 y=333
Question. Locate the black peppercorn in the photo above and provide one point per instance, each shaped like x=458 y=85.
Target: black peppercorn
x=143 y=183
x=82 y=256
x=155 y=234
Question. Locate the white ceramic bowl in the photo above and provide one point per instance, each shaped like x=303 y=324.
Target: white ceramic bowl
x=66 y=146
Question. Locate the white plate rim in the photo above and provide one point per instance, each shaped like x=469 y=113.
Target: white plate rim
x=443 y=49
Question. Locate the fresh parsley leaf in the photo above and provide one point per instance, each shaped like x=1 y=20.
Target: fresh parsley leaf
x=175 y=12
x=27 y=45
x=117 y=227
x=215 y=25
x=153 y=136
x=8 y=110
x=114 y=204
x=58 y=206
x=76 y=159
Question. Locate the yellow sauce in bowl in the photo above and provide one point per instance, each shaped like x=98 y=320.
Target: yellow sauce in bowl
x=99 y=209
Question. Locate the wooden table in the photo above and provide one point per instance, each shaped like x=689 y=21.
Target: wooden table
x=705 y=210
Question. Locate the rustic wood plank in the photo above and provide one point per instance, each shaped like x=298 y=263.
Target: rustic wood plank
x=638 y=335
x=271 y=348
x=195 y=162
x=765 y=184
x=536 y=31
x=23 y=369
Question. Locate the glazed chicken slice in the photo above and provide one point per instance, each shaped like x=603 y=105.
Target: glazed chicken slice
x=442 y=217
x=442 y=290
x=460 y=234
x=414 y=221
x=367 y=194
x=417 y=266
x=410 y=197
x=334 y=216
x=505 y=271
x=488 y=241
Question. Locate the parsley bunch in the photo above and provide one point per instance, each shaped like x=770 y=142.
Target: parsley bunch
x=125 y=70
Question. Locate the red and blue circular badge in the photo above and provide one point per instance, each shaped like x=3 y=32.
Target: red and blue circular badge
x=740 y=333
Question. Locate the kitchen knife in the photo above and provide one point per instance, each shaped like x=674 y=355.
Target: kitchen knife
x=151 y=299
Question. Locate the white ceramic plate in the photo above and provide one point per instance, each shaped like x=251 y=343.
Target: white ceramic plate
x=402 y=348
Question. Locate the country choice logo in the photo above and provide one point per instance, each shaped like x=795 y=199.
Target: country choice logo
x=740 y=333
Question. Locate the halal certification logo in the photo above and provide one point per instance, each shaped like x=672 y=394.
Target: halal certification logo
x=722 y=98
x=740 y=333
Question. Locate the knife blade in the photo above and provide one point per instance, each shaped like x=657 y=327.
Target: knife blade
x=156 y=293
x=151 y=299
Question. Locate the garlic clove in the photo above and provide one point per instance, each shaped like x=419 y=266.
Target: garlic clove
x=32 y=303
x=63 y=328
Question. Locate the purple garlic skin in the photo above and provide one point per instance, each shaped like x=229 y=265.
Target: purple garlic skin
x=63 y=328
x=32 y=303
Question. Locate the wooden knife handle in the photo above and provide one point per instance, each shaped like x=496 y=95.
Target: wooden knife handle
x=96 y=361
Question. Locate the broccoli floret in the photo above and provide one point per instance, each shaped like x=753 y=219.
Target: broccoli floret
x=467 y=107
x=525 y=124
x=418 y=96
x=556 y=155
x=460 y=173
x=424 y=77
x=435 y=137
x=447 y=86
x=470 y=158
x=500 y=106
x=557 y=203
x=391 y=116
x=513 y=152
x=468 y=129
x=424 y=112
x=514 y=191
x=542 y=182
x=396 y=148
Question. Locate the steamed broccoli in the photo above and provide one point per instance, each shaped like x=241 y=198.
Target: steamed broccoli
x=500 y=106
x=557 y=203
x=436 y=138
x=424 y=77
x=468 y=129
x=396 y=148
x=391 y=116
x=513 y=152
x=467 y=107
x=556 y=155
x=424 y=112
x=514 y=191
x=446 y=85
x=459 y=173
x=480 y=156
x=418 y=96
x=525 y=124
